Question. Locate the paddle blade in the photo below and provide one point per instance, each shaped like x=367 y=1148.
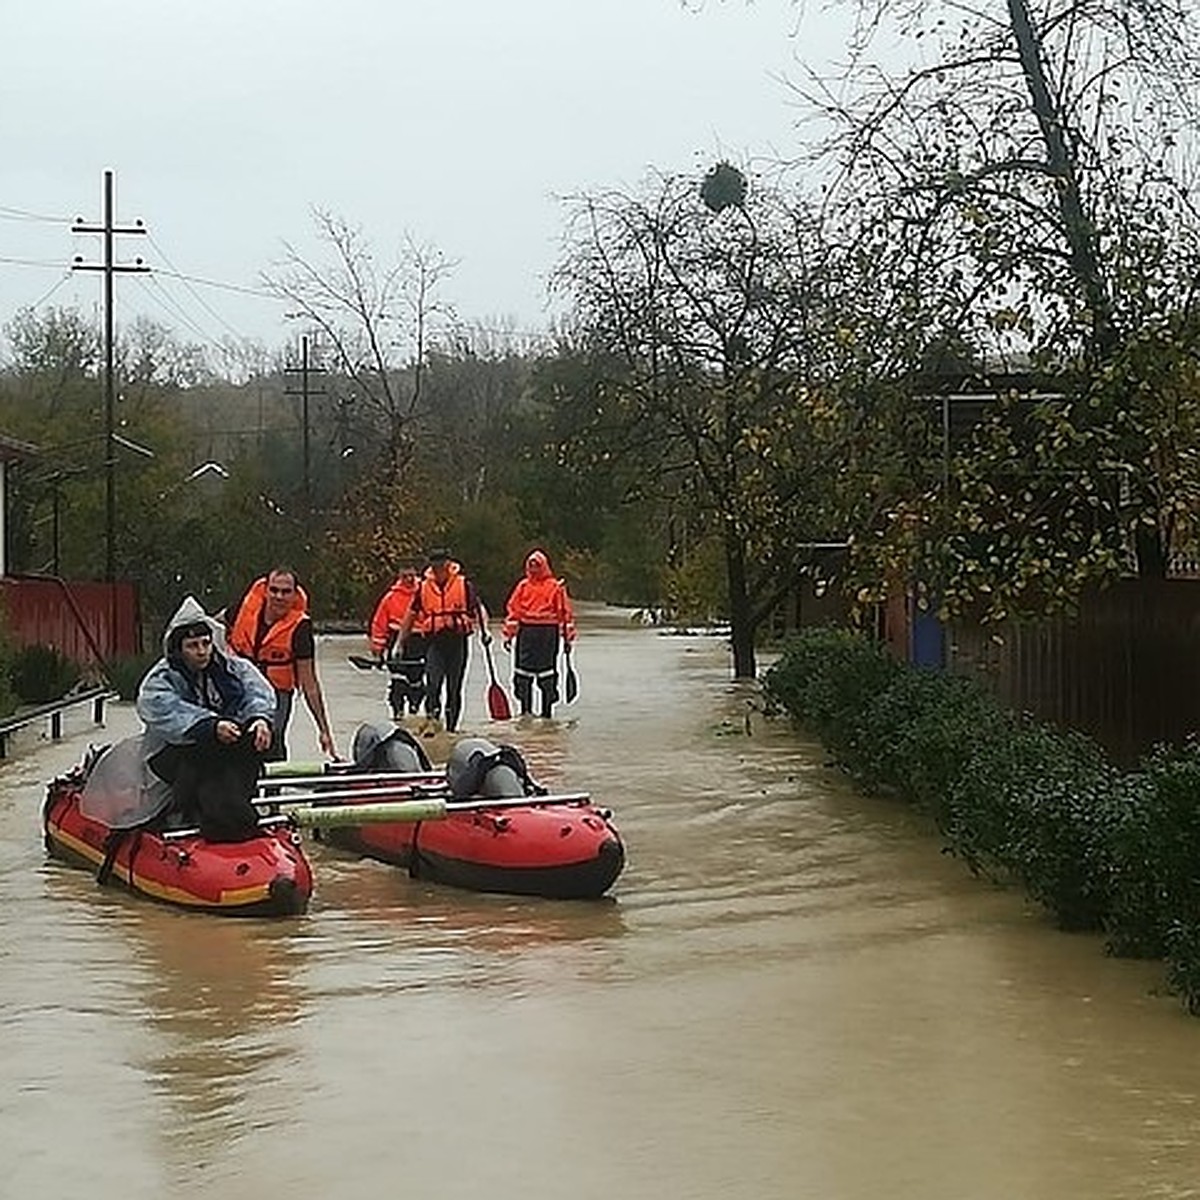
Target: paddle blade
x=572 y=683
x=497 y=703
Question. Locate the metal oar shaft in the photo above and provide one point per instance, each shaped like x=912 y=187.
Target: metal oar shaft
x=317 y=810
x=316 y=768
x=394 y=791
x=343 y=779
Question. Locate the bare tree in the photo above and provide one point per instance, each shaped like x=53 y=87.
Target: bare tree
x=379 y=321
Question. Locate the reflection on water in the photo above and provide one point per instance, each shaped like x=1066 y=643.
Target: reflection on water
x=790 y=993
x=223 y=1003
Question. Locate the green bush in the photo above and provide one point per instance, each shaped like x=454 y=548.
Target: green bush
x=1157 y=852
x=124 y=674
x=40 y=674
x=825 y=679
x=1045 y=817
x=914 y=737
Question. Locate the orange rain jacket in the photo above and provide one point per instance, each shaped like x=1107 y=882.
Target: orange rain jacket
x=539 y=599
x=391 y=611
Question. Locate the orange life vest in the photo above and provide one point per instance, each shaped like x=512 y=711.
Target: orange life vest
x=273 y=655
x=445 y=608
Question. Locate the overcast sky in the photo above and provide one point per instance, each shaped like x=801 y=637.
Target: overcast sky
x=456 y=121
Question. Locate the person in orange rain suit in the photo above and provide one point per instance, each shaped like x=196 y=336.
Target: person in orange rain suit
x=538 y=614
x=271 y=627
x=449 y=606
x=406 y=658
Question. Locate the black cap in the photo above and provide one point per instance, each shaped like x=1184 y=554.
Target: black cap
x=439 y=555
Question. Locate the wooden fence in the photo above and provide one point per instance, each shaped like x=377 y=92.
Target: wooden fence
x=1125 y=670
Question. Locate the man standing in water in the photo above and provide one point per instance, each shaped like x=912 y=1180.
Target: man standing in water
x=406 y=655
x=271 y=627
x=538 y=614
x=448 y=605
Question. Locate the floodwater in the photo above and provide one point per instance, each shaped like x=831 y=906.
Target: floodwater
x=790 y=994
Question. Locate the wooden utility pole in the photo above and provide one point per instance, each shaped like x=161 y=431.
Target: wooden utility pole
x=110 y=268
x=304 y=371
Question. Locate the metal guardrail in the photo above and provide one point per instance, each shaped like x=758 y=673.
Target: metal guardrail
x=52 y=714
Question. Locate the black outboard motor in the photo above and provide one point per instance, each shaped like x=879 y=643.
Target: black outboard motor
x=479 y=768
x=387 y=748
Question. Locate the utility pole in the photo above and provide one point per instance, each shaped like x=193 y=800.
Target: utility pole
x=110 y=268
x=304 y=371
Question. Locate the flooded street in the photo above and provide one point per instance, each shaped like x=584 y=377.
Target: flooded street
x=789 y=994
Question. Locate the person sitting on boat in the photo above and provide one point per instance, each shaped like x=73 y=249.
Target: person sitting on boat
x=406 y=657
x=538 y=614
x=207 y=717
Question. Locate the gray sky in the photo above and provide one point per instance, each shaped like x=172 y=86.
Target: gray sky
x=456 y=121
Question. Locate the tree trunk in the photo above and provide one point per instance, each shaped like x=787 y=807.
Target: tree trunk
x=741 y=619
x=1063 y=163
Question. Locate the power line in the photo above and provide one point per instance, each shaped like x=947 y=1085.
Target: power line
x=185 y=280
x=216 y=283
x=42 y=300
x=168 y=304
x=21 y=214
x=32 y=262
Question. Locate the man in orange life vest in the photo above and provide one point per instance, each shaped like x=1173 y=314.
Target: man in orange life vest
x=271 y=627
x=448 y=604
x=538 y=613
x=407 y=688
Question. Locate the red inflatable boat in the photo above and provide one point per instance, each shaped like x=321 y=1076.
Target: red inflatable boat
x=265 y=876
x=565 y=850
x=498 y=832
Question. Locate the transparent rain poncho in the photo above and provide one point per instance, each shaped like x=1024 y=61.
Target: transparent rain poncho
x=121 y=791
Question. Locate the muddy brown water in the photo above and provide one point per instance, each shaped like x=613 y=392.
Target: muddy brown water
x=790 y=993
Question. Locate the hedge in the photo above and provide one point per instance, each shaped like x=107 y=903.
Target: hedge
x=1017 y=800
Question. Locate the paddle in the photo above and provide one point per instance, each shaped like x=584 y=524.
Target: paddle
x=572 y=684
x=497 y=701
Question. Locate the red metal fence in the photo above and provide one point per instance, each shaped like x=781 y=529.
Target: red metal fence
x=91 y=623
